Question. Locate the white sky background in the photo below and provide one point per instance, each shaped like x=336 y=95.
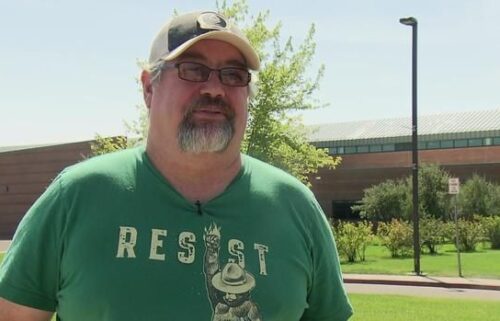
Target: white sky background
x=68 y=68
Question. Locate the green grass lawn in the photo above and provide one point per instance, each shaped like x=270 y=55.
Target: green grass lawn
x=375 y=307
x=482 y=263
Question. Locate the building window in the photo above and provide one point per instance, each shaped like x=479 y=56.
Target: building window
x=403 y=146
x=460 y=143
x=340 y=150
x=421 y=145
x=433 y=145
x=363 y=149
x=388 y=147
x=447 y=144
x=332 y=150
x=350 y=150
x=375 y=148
x=475 y=142
x=496 y=141
x=487 y=141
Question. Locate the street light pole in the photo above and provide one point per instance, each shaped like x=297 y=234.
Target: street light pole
x=410 y=21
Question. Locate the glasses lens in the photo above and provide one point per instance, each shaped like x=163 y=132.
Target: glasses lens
x=193 y=72
x=234 y=76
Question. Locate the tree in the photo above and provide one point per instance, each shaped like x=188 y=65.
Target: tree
x=478 y=196
x=434 y=200
x=384 y=202
x=393 y=199
x=273 y=134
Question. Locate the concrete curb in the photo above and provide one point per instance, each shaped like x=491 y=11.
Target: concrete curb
x=427 y=281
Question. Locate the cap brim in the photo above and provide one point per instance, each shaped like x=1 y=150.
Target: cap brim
x=244 y=47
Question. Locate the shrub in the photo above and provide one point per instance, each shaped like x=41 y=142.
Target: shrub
x=352 y=239
x=432 y=234
x=478 y=197
x=397 y=237
x=491 y=227
x=383 y=202
x=470 y=233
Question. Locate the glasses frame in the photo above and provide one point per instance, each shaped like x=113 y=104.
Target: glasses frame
x=219 y=71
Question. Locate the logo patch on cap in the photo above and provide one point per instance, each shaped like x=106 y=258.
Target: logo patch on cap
x=211 y=21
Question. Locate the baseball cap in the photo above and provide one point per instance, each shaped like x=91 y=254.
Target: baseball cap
x=183 y=31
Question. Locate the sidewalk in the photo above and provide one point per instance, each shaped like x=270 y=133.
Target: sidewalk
x=430 y=281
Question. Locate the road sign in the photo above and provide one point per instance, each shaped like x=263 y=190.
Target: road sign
x=453 y=186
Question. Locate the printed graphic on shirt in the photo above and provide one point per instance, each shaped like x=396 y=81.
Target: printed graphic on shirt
x=128 y=237
x=228 y=288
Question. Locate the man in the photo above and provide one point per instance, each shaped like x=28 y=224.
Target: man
x=122 y=236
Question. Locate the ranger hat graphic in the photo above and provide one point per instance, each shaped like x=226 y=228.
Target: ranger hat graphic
x=233 y=279
x=183 y=31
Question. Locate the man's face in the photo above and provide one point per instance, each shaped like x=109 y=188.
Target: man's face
x=199 y=116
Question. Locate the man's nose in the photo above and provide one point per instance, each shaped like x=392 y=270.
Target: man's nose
x=213 y=86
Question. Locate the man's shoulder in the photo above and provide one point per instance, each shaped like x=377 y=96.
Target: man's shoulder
x=271 y=176
x=108 y=166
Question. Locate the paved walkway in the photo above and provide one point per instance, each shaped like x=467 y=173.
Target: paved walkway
x=427 y=281
x=423 y=291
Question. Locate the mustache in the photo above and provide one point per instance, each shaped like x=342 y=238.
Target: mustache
x=211 y=103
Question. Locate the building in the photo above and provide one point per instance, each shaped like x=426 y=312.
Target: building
x=373 y=151
x=25 y=172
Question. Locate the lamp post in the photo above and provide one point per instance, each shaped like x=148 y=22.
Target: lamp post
x=410 y=21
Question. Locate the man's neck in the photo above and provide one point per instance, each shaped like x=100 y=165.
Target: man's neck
x=198 y=177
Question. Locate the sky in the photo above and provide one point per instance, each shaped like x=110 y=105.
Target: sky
x=68 y=69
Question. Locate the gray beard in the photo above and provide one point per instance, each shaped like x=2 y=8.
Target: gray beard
x=206 y=137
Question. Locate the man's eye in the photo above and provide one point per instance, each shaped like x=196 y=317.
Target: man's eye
x=234 y=75
x=193 y=71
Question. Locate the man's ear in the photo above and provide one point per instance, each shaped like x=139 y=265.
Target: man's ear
x=147 y=88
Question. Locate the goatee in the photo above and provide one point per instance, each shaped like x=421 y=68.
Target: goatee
x=209 y=136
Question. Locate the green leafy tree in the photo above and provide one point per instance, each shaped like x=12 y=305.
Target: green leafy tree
x=393 y=199
x=103 y=145
x=478 y=197
x=433 y=197
x=273 y=134
x=383 y=202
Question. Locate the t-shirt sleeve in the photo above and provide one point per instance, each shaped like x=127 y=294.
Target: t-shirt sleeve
x=327 y=298
x=29 y=274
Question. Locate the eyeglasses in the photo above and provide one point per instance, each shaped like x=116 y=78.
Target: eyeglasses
x=229 y=76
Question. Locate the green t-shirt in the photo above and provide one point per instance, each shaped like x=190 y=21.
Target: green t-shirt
x=110 y=239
